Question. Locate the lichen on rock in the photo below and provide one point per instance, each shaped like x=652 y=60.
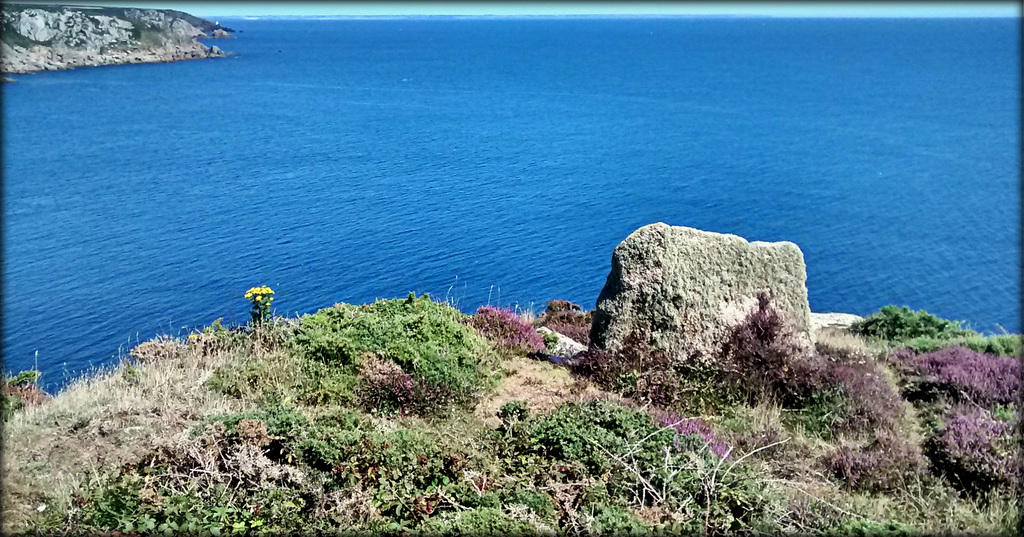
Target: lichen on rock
x=685 y=288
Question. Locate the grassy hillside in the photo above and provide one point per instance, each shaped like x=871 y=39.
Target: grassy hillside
x=407 y=417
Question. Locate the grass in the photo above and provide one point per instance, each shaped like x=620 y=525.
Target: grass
x=268 y=429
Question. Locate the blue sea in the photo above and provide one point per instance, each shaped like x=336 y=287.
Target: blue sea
x=500 y=161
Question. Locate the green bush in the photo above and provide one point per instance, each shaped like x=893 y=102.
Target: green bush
x=899 y=324
x=238 y=378
x=616 y=520
x=19 y=390
x=539 y=503
x=425 y=338
x=574 y=431
x=481 y=521
x=999 y=345
x=864 y=528
x=282 y=420
x=327 y=383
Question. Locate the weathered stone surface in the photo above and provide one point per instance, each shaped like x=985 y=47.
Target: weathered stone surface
x=566 y=346
x=833 y=320
x=685 y=288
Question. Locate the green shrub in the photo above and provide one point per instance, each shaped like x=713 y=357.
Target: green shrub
x=405 y=471
x=18 y=391
x=25 y=378
x=539 y=503
x=858 y=527
x=574 y=431
x=282 y=420
x=616 y=520
x=550 y=340
x=238 y=378
x=425 y=338
x=999 y=345
x=327 y=383
x=1004 y=345
x=513 y=411
x=480 y=521
x=898 y=324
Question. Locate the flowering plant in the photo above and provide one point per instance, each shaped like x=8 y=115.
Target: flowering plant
x=510 y=333
x=260 y=298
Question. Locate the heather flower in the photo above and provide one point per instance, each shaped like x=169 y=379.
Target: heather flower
x=568 y=319
x=763 y=358
x=883 y=465
x=386 y=387
x=507 y=331
x=869 y=401
x=975 y=452
x=968 y=376
x=692 y=434
x=636 y=371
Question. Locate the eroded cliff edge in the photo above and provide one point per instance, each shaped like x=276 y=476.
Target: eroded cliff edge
x=51 y=37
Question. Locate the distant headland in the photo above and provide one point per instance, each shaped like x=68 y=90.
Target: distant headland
x=52 y=37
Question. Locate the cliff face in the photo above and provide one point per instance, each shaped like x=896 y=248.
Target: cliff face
x=45 y=37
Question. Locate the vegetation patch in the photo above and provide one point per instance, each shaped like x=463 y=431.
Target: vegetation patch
x=368 y=420
x=976 y=452
x=441 y=359
x=567 y=319
x=925 y=332
x=510 y=334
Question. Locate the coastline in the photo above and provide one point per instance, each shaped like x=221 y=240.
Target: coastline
x=50 y=37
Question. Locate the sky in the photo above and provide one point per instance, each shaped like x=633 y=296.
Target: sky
x=393 y=8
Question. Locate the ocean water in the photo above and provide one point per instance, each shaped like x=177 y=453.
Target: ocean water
x=500 y=161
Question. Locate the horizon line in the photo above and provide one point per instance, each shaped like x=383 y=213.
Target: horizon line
x=604 y=16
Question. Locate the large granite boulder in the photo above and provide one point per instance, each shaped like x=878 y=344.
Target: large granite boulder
x=684 y=289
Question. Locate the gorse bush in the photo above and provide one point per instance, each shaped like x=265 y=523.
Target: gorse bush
x=567 y=319
x=574 y=431
x=975 y=452
x=428 y=340
x=900 y=324
x=509 y=333
x=999 y=345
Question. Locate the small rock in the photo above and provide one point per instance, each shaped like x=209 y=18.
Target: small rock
x=833 y=320
x=566 y=346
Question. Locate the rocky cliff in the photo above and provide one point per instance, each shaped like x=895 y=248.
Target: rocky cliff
x=50 y=37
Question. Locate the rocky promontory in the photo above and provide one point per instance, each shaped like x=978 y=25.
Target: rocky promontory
x=51 y=37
